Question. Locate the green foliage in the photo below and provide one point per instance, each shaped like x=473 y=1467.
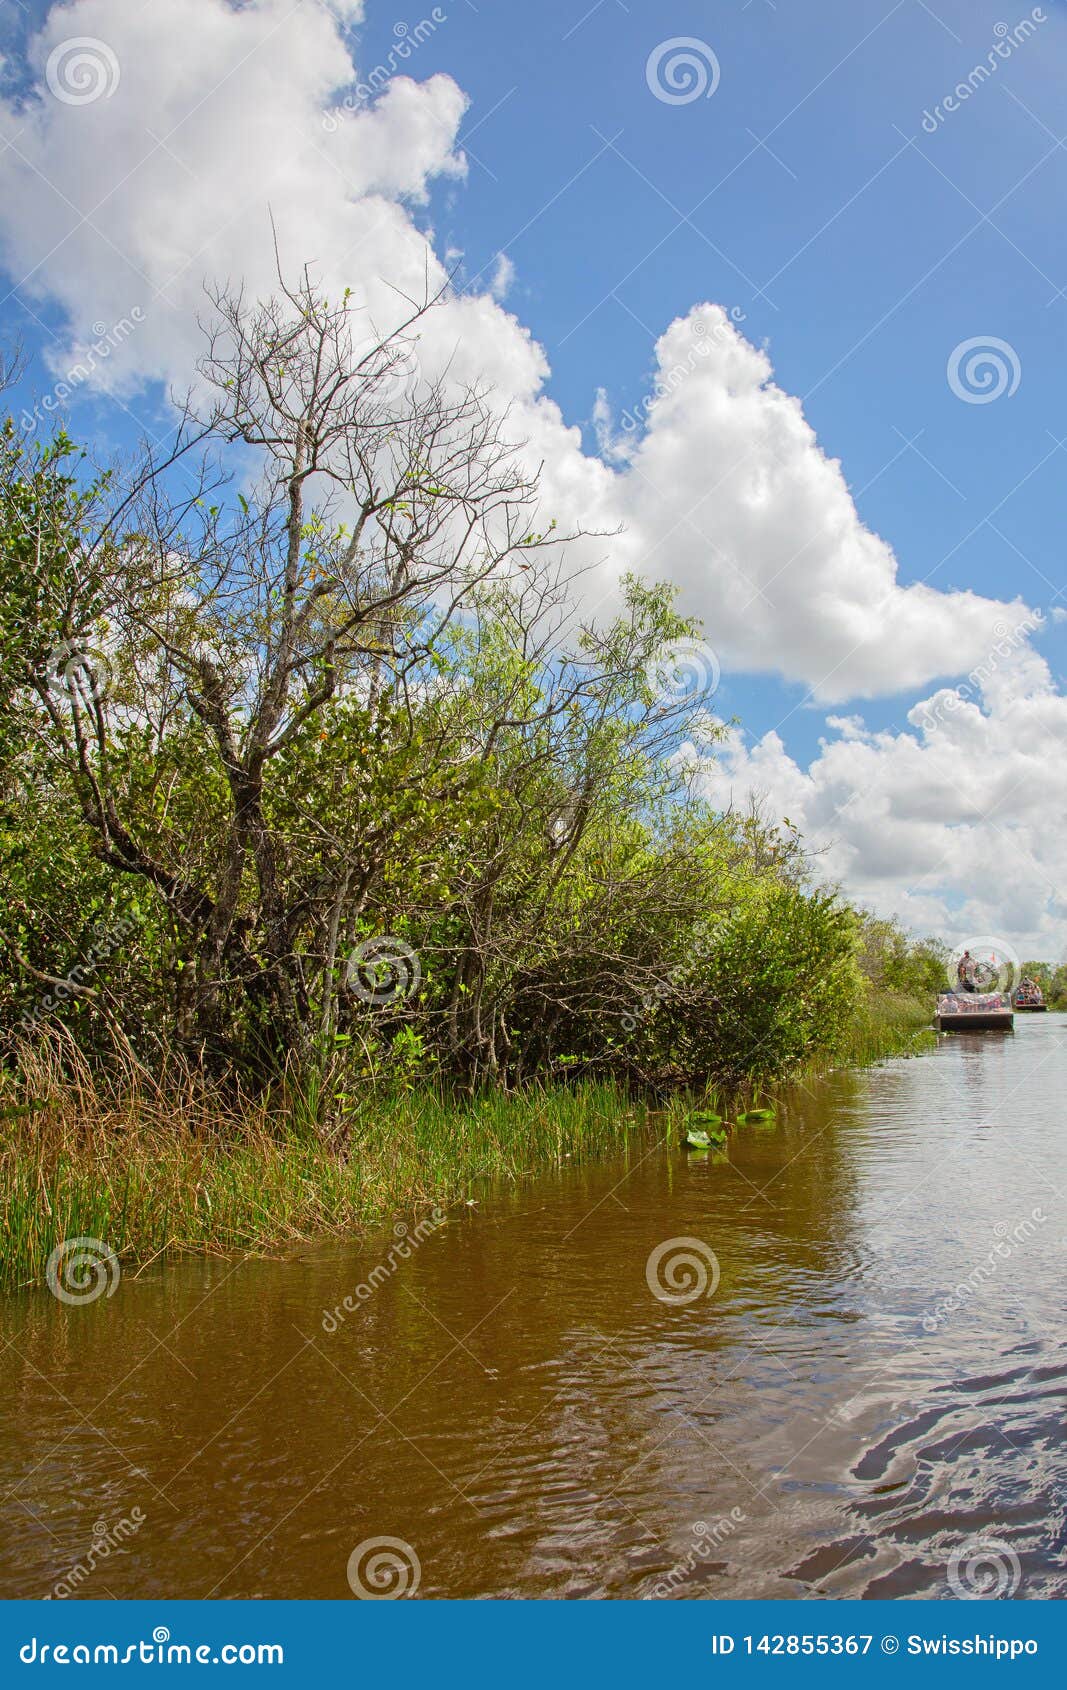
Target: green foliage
x=892 y=962
x=885 y=1024
x=512 y=819
x=256 y=1180
x=253 y=740
x=778 y=981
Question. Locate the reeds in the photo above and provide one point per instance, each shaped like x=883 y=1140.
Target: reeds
x=152 y=1164
x=147 y=1163
x=886 y=1024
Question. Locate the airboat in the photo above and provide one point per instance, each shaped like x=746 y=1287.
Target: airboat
x=974 y=1012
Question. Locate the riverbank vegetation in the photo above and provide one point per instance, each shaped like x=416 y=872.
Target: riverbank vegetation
x=120 y=1168
x=148 y=1165
x=337 y=854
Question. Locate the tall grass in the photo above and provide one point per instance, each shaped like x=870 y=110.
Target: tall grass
x=885 y=1024
x=151 y=1163
x=160 y=1165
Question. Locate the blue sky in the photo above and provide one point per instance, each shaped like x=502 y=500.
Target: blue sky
x=880 y=258
x=806 y=194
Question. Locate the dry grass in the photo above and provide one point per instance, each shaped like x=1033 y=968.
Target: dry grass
x=146 y=1164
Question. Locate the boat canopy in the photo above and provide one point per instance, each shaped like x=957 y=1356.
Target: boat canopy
x=972 y=1003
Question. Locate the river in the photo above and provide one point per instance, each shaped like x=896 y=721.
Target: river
x=866 y=1398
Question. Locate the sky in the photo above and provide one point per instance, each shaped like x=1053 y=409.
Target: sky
x=778 y=293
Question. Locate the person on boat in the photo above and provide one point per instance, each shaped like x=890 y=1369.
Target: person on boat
x=965 y=973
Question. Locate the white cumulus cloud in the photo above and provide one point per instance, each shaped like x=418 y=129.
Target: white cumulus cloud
x=226 y=119
x=954 y=822
x=725 y=489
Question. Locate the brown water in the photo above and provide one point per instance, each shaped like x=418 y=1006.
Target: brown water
x=879 y=1377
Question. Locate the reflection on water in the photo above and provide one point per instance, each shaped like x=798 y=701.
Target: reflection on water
x=870 y=1403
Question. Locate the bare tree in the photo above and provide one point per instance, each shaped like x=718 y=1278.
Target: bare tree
x=376 y=503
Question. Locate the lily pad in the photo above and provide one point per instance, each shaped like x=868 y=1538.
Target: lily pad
x=697 y=1140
